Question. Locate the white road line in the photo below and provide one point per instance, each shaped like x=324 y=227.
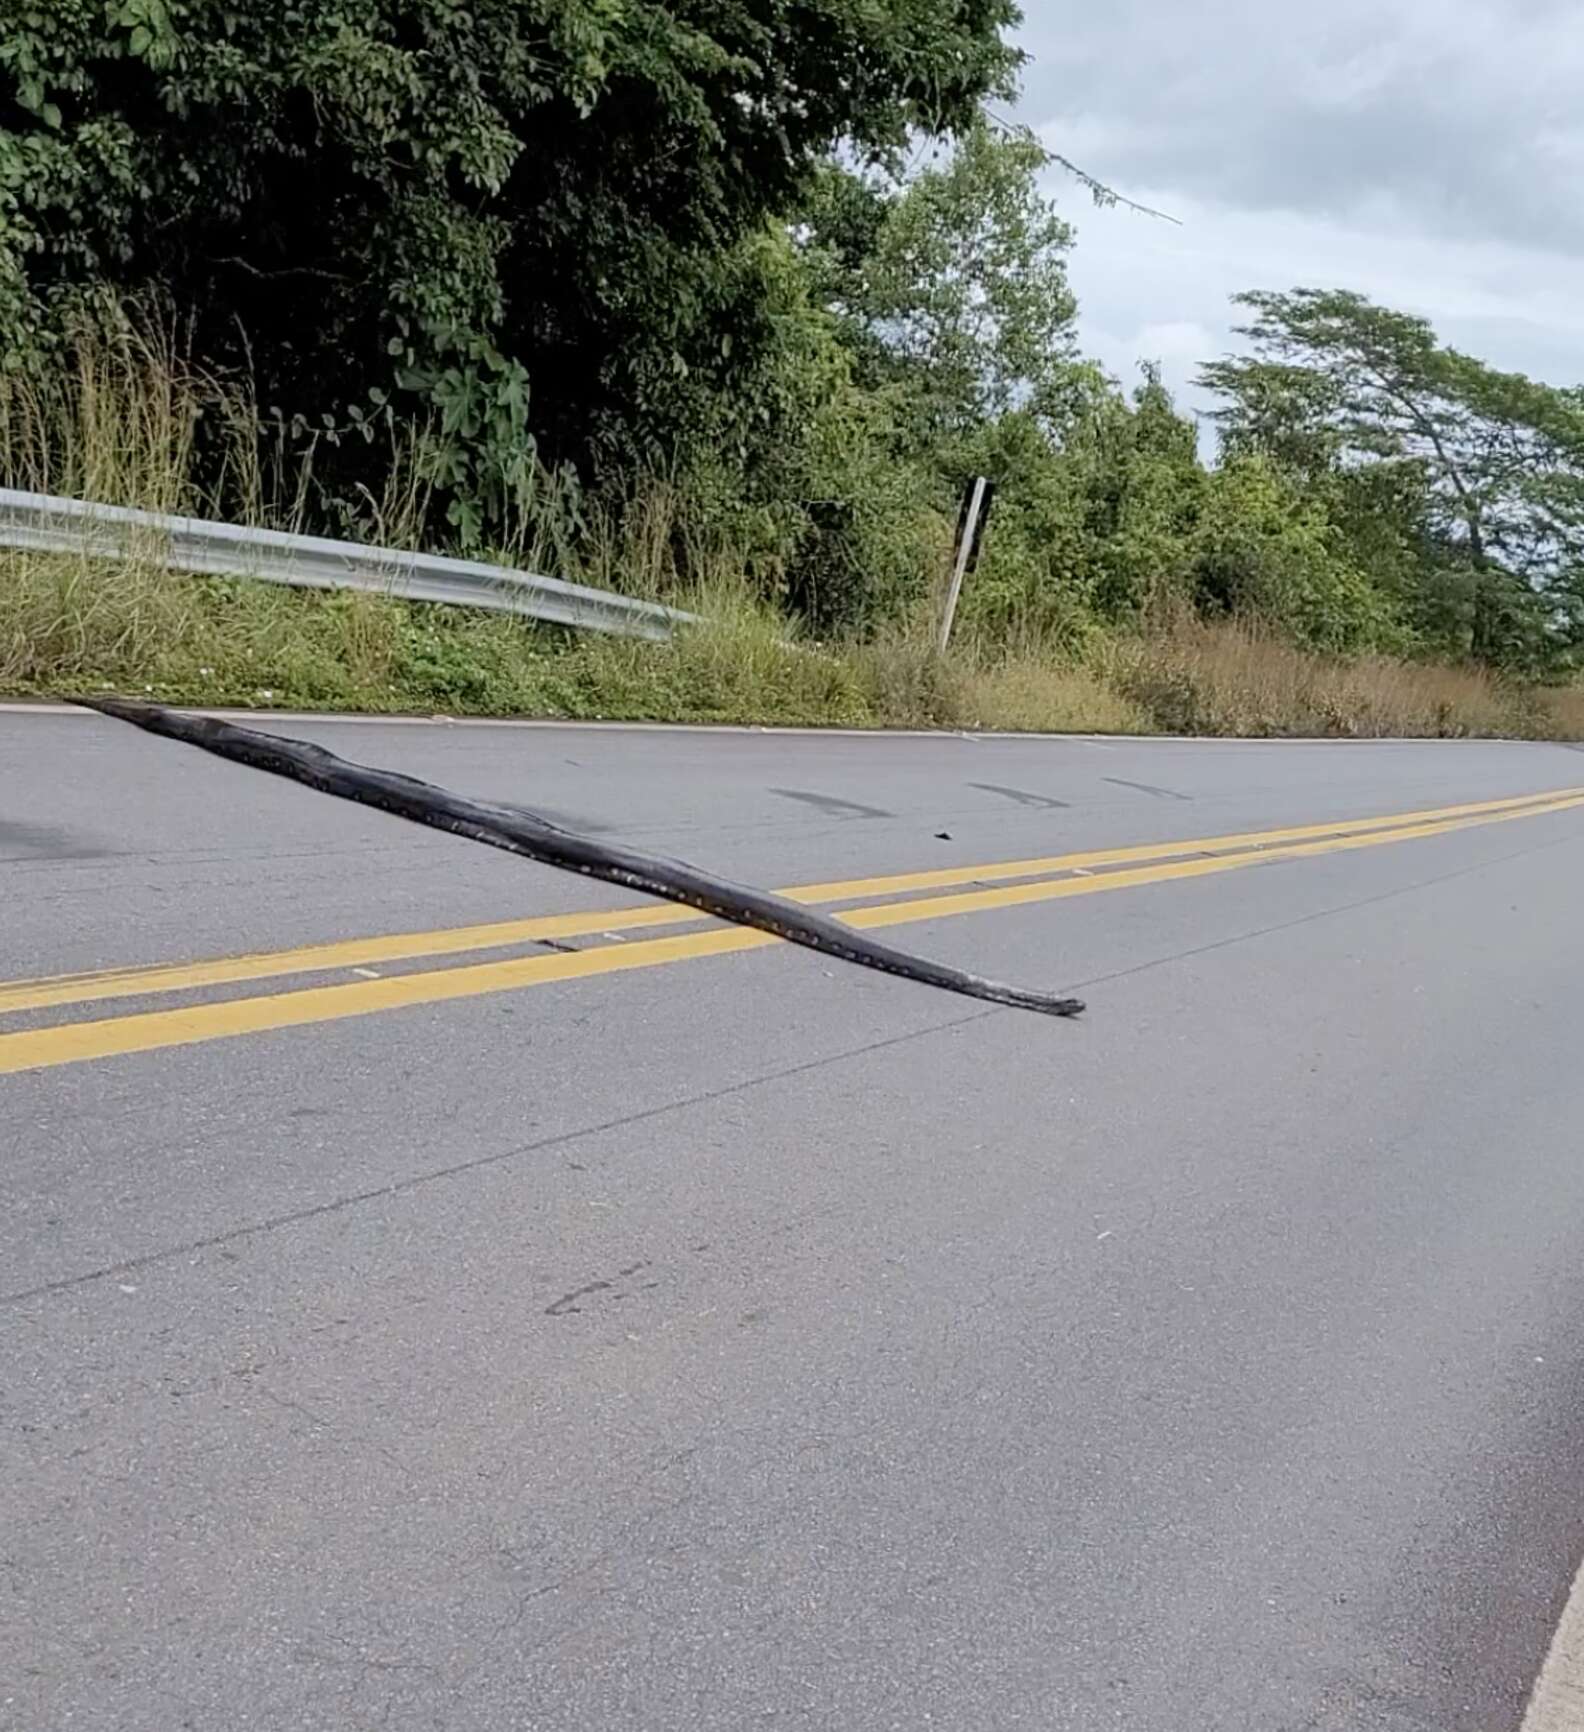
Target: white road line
x=47 y=707
x=264 y=718
x=1557 y=1704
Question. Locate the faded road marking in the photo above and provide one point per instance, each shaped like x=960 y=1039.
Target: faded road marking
x=1019 y=797
x=1146 y=788
x=837 y=808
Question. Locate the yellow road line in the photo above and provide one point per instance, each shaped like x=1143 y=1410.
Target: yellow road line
x=73 y=1043
x=136 y=981
x=1017 y=895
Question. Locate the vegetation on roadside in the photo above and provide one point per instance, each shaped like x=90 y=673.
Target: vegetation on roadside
x=724 y=307
x=68 y=626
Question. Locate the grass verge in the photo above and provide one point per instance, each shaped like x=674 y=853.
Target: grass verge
x=70 y=625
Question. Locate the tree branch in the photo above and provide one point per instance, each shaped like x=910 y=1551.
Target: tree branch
x=1103 y=195
x=285 y=271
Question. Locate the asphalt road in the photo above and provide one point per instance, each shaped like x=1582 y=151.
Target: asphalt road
x=533 y=1329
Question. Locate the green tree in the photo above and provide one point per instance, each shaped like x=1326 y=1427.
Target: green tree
x=949 y=287
x=1337 y=386
x=1097 y=526
x=457 y=201
x=1265 y=547
x=1144 y=491
x=942 y=292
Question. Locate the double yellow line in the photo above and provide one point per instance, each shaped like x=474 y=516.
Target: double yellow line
x=1041 y=880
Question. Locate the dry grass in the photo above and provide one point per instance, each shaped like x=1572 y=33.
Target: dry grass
x=1023 y=695
x=115 y=422
x=908 y=683
x=1558 y=712
x=1237 y=679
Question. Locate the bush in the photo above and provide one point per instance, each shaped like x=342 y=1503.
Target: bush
x=1262 y=550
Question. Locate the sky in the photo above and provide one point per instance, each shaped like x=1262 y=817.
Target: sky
x=1428 y=153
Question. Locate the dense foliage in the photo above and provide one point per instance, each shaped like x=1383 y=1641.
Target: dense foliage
x=1458 y=486
x=373 y=199
x=776 y=252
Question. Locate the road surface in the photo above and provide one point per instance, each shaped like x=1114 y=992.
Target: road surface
x=490 y=1304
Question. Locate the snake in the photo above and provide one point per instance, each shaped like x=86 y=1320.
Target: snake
x=534 y=837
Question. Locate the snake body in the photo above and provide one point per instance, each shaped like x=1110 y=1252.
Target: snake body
x=536 y=838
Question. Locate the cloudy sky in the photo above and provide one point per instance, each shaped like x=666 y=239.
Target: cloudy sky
x=1429 y=153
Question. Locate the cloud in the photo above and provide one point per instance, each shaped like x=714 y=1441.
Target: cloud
x=1148 y=291
x=1426 y=153
x=1454 y=117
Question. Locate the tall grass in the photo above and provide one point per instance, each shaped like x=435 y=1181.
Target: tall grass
x=124 y=419
x=115 y=420
x=1239 y=678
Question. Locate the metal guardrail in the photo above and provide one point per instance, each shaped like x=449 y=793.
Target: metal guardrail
x=42 y=523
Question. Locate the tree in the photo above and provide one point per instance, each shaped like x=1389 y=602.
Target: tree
x=1267 y=548
x=1337 y=386
x=450 y=202
x=949 y=287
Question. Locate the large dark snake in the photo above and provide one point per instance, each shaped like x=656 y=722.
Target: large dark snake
x=525 y=833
